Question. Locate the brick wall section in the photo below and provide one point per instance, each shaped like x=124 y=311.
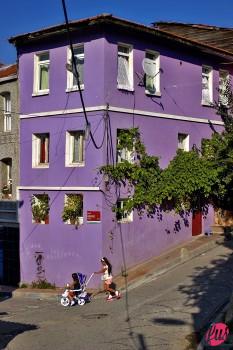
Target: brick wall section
x=9 y=141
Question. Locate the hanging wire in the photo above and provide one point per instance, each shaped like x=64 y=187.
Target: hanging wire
x=77 y=75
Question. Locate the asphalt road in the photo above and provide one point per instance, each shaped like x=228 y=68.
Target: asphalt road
x=162 y=314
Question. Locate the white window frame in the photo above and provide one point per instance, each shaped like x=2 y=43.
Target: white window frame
x=70 y=73
x=37 y=73
x=36 y=147
x=7 y=111
x=224 y=78
x=127 y=217
x=156 y=79
x=65 y=200
x=69 y=148
x=36 y=196
x=120 y=86
x=184 y=143
x=209 y=76
x=124 y=153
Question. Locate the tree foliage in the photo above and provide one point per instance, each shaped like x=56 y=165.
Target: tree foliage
x=190 y=182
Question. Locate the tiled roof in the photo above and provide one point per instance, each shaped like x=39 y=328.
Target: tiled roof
x=7 y=71
x=218 y=37
x=119 y=23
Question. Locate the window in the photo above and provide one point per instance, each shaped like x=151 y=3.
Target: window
x=6 y=176
x=75 y=148
x=123 y=153
x=7 y=111
x=72 y=83
x=40 y=208
x=224 y=80
x=41 y=73
x=73 y=209
x=123 y=216
x=152 y=83
x=40 y=150
x=183 y=142
x=125 y=67
x=207 y=85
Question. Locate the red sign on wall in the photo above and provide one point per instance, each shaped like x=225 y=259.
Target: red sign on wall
x=93 y=216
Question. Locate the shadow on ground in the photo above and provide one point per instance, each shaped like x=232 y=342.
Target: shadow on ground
x=9 y=330
x=210 y=289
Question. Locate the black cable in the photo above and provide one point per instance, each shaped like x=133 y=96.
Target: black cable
x=77 y=74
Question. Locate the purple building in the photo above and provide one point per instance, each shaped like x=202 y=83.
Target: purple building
x=171 y=106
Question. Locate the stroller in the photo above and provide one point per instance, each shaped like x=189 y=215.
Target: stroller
x=81 y=296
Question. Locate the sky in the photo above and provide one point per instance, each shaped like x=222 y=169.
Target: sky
x=23 y=16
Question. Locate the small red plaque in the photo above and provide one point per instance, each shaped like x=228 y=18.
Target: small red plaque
x=93 y=216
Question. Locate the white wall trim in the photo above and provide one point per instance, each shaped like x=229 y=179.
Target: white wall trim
x=124 y=110
x=53 y=188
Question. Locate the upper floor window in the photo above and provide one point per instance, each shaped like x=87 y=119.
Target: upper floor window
x=7 y=111
x=207 y=85
x=123 y=153
x=41 y=73
x=40 y=150
x=125 y=67
x=183 y=142
x=224 y=80
x=72 y=83
x=152 y=82
x=75 y=148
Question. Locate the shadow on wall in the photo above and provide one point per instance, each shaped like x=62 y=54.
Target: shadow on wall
x=9 y=330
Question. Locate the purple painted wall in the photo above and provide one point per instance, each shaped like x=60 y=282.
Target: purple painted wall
x=65 y=249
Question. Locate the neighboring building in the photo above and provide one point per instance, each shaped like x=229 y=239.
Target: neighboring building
x=172 y=109
x=9 y=175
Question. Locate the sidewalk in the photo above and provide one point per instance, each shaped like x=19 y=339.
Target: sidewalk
x=137 y=275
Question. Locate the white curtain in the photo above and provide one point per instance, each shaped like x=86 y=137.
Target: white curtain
x=123 y=71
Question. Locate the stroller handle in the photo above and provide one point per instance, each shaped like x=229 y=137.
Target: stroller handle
x=89 y=279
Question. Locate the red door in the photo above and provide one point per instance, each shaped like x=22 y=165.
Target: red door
x=197 y=223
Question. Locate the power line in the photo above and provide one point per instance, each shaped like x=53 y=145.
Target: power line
x=77 y=75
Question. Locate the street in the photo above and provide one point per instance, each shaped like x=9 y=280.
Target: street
x=162 y=314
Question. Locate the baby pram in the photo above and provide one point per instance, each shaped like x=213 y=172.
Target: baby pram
x=81 y=296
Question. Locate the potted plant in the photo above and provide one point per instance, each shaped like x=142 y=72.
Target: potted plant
x=73 y=209
x=40 y=208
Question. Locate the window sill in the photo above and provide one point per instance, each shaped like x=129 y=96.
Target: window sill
x=125 y=88
x=207 y=104
x=156 y=94
x=41 y=166
x=125 y=221
x=72 y=89
x=40 y=93
x=80 y=222
x=75 y=165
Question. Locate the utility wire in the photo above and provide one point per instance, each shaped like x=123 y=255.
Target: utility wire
x=77 y=75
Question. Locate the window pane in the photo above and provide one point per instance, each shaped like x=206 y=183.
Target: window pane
x=43 y=57
x=80 y=68
x=44 y=149
x=77 y=155
x=44 y=77
x=123 y=71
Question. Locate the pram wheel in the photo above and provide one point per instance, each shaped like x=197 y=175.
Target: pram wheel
x=81 y=302
x=65 y=301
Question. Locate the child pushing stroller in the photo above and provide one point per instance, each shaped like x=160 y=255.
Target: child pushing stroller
x=109 y=285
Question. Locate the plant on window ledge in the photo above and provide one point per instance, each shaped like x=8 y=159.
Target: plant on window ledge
x=40 y=208
x=73 y=210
